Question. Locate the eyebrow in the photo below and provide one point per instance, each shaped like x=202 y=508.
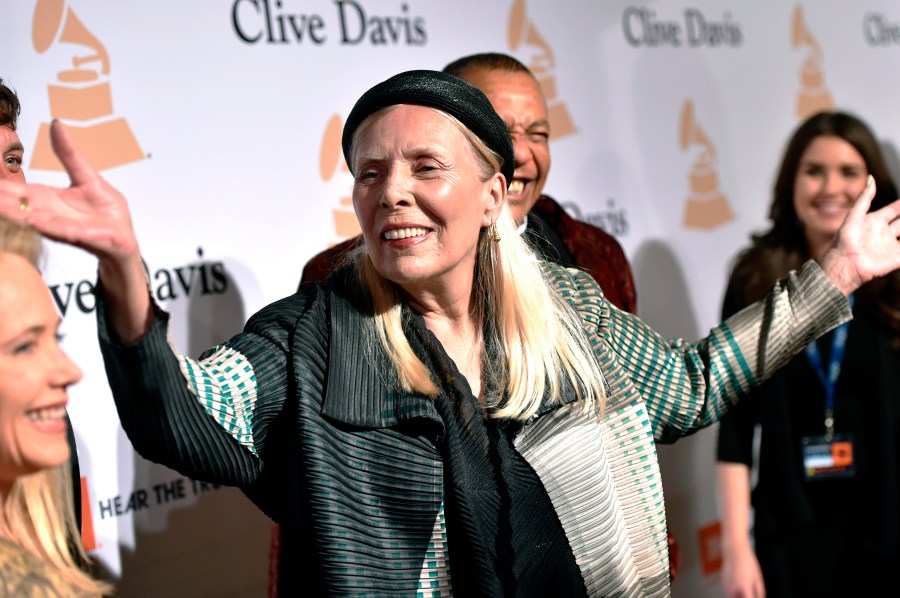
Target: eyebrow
x=532 y=125
x=809 y=162
x=408 y=154
x=15 y=145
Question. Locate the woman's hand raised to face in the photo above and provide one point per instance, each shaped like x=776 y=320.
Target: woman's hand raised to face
x=92 y=215
x=89 y=213
x=866 y=246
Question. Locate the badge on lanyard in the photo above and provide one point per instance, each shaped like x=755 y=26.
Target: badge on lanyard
x=829 y=456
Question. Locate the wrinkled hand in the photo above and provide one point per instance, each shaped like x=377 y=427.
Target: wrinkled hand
x=89 y=214
x=866 y=246
x=92 y=215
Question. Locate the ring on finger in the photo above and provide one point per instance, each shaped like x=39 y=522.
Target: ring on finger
x=23 y=204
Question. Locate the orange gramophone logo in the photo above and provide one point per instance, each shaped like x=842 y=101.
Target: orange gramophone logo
x=542 y=64
x=706 y=207
x=813 y=96
x=81 y=97
x=331 y=161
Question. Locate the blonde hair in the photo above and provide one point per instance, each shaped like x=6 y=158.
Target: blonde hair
x=38 y=511
x=533 y=339
x=21 y=240
x=40 y=517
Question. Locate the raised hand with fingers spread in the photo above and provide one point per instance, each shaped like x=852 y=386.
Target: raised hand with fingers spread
x=865 y=246
x=94 y=216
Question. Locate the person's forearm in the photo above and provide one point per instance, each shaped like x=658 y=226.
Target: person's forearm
x=733 y=483
x=124 y=284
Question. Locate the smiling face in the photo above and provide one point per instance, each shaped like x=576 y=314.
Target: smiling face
x=34 y=374
x=422 y=196
x=518 y=99
x=830 y=176
x=13 y=154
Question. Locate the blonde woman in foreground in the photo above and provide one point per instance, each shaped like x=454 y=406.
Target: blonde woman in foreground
x=37 y=521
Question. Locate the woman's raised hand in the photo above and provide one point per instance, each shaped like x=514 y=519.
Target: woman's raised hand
x=89 y=213
x=866 y=246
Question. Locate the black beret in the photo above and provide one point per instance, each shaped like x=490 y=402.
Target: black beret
x=442 y=91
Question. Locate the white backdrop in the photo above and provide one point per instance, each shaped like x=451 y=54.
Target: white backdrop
x=220 y=121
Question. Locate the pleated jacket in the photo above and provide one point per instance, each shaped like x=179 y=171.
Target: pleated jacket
x=307 y=419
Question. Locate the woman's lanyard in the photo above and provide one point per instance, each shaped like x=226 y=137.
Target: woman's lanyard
x=829 y=377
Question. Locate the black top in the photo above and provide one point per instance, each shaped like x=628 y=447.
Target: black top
x=820 y=537
x=547 y=242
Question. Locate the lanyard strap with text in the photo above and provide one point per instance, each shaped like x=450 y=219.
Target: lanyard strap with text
x=830 y=376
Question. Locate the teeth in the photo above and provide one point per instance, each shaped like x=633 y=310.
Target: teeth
x=404 y=233
x=831 y=212
x=516 y=186
x=48 y=414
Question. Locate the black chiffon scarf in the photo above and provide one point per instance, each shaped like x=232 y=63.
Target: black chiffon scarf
x=503 y=535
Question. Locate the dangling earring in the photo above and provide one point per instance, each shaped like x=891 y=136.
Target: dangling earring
x=494 y=233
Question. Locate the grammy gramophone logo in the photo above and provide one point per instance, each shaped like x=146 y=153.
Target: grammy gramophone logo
x=522 y=32
x=706 y=206
x=331 y=164
x=813 y=95
x=81 y=97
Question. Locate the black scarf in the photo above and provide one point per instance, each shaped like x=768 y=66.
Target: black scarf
x=504 y=537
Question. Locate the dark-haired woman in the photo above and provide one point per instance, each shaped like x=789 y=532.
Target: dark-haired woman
x=826 y=504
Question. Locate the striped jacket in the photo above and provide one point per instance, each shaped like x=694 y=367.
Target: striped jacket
x=297 y=413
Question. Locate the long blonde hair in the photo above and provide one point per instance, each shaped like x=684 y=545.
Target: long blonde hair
x=533 y=339
x=38 y=510
x=39 y=516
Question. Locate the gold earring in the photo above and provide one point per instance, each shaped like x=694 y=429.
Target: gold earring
x=494 y=233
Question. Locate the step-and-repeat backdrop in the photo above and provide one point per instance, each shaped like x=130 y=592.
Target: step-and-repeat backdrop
x=220 y=121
